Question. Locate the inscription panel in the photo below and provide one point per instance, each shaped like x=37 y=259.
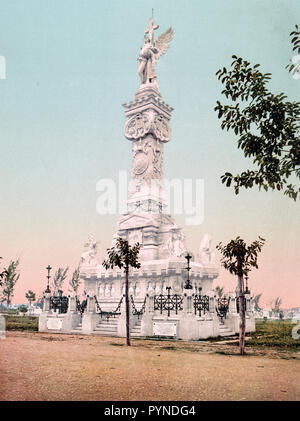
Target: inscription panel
x=164 y=329
x=54 y=324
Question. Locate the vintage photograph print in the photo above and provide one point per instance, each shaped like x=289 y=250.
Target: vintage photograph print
x=149 y=203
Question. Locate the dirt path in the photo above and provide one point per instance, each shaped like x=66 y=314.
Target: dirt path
x=37 y=366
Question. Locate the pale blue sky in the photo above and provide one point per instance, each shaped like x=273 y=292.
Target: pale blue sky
x=70 y=66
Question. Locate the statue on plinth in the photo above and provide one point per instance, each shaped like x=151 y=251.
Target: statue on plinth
x=89 y=257
x=206 y=254
x=151 y=51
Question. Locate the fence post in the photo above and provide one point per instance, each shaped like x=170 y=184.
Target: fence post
x=185 y=304
x=46 y=306
x=232 y=303
x=72 y=304
x=146 y=323
x=90 y=304
x=248 y=303
x=212 y=301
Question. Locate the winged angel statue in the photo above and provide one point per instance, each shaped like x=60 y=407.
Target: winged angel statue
x=151 y=51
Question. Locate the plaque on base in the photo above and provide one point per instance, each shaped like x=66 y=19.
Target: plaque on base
x=164 y=329
x=54 y=324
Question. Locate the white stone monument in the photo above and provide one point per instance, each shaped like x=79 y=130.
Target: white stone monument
x=163 y=250
x=180 y=313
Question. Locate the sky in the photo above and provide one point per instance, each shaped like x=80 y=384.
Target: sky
x=71 y=64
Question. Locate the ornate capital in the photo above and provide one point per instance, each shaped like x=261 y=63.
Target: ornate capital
x=148 y=122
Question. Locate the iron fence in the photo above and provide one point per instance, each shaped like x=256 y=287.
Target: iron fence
x=59 y=303
x=168 y=302
x=201 y=303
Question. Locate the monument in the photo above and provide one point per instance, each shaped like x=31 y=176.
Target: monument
x=161 y=303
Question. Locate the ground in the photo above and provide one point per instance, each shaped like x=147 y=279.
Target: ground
x=40 y=366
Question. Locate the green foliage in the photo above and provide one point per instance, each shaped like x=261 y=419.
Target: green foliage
x=277 y=304
x=10 y=279
x=59 y=277
x=30 y=296
x=75 y=281
x=2 y=274
x=295 y=40
x=21 y=323
x=276 y=334
x=267 y=127
x=122 y=255
x=22 y=308
x=256 y=300
x=238 y=258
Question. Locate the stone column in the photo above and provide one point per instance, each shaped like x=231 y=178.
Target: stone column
x=232 y=302
x=46 y=304
x=90 y=304
x=212 y=302
x=72 y=304
x=90 y=317
x=72 y=318
x=185 y=304
x=147 y=323
x=122 y=319
x=248 y=303
x=45 y=313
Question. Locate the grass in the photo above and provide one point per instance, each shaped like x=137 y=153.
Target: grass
x=272 y=334
x=275 y=334
x=21 y=323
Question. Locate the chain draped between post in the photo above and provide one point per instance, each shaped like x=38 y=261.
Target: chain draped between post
x=136 y=312
x=108 y=314
x=222 y=307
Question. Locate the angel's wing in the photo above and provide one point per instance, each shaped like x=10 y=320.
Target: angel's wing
x=163 y=41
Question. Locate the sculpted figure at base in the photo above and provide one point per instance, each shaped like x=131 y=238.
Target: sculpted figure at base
x=206 y=254
x=175 y=245
x=89 y=257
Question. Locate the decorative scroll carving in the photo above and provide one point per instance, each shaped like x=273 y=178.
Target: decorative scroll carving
x=144 y=123
x=161 y=128
x=140 y=163
x=137 y=126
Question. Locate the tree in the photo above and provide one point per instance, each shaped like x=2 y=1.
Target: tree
x=267 y=127
x=10 y=279
x=23 y=309
x=30 y=296
x=256 y=300
x=59 y=277
x=277 y=304
x=75 y=280
x=219 y=291
x=40 y=301
x=124 y=256
x=2 y=274
x=239 y=259
x=292 y=66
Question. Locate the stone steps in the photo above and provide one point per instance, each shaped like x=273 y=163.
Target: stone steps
x=78 y=328
x=224 y=330
x=107 y=327
x=136 y=330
